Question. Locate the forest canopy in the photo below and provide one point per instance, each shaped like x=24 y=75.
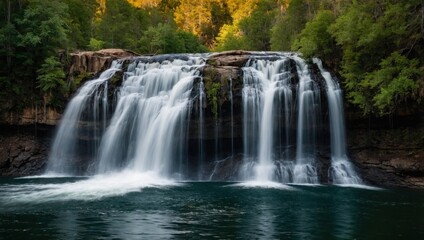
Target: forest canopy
x=376 y=46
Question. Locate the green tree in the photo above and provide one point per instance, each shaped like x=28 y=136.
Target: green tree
x=81 y=21
x=122 y=25
x=230 y=38
x=373 y=34
x=51 y=76
x=160 y=39
x=95 y=44
x=290 y=22
x=395 y=82
x=164 y=38
x=191 y=42
x=203 y=18
x=315 y=40
x=43 y=30
x=8 y=44
x=256 y=28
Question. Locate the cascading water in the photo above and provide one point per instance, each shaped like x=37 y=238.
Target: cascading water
x=150 y=117
x=84 y=107
x=232 y=116
x=202 y=98
x=342 y=170
x=308 y=109
x=264 y=82
x=147 y=129
x=269 y=91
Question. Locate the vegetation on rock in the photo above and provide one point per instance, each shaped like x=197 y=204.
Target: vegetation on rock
x=213 y=89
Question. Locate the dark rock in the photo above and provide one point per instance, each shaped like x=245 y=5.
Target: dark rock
x=388 y=154
x=24 y=151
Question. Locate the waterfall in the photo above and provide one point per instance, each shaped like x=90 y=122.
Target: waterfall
x=202 y=98
x=143 y=125
x=232 y=116
x=148 y=127
x=308 y=109
x=81 y=110
x=341 y=171
x=264 y=82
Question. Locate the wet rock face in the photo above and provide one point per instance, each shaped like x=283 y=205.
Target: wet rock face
x=24 y=151
x=388 y=154
x=395 y=167
x=32 y=115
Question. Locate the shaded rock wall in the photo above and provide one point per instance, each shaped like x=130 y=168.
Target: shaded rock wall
x=388 y=151
x=24 y=150
x=33 y=115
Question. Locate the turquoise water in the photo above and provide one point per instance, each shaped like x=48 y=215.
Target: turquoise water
x=121 y=207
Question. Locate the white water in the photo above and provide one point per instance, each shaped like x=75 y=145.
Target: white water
x=267 y=92
x=265 y=82
x=263 y=184
x=308 y=109
x=94 y=188
x=147 y=132
x=202 y=97
x=232 y=116
x=341 y=171
x=64 y=149
x=149 y=119
x=148 y=128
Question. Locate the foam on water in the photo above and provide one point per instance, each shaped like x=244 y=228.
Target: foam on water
x=360 y=186
x=49 y=175
x=262 y=184
x=94 y=188
x=306 y=184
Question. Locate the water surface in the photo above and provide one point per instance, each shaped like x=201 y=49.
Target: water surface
x=145 y=208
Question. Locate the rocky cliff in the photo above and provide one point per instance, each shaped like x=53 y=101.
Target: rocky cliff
x=83 y=66
x=24 y=149
x=387 y=152
x=94 y=62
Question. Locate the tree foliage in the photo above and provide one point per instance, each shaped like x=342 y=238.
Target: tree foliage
x=290 y=22
x=42 y=29
x=203 y=18
x=122 y=25
x=379 y=50
x=34 y=30
x=164 y=38
x=395 y=82
x=51 y=76
x=315 y=40
x=377 y=46
x=80 y=21
x=256 y=28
